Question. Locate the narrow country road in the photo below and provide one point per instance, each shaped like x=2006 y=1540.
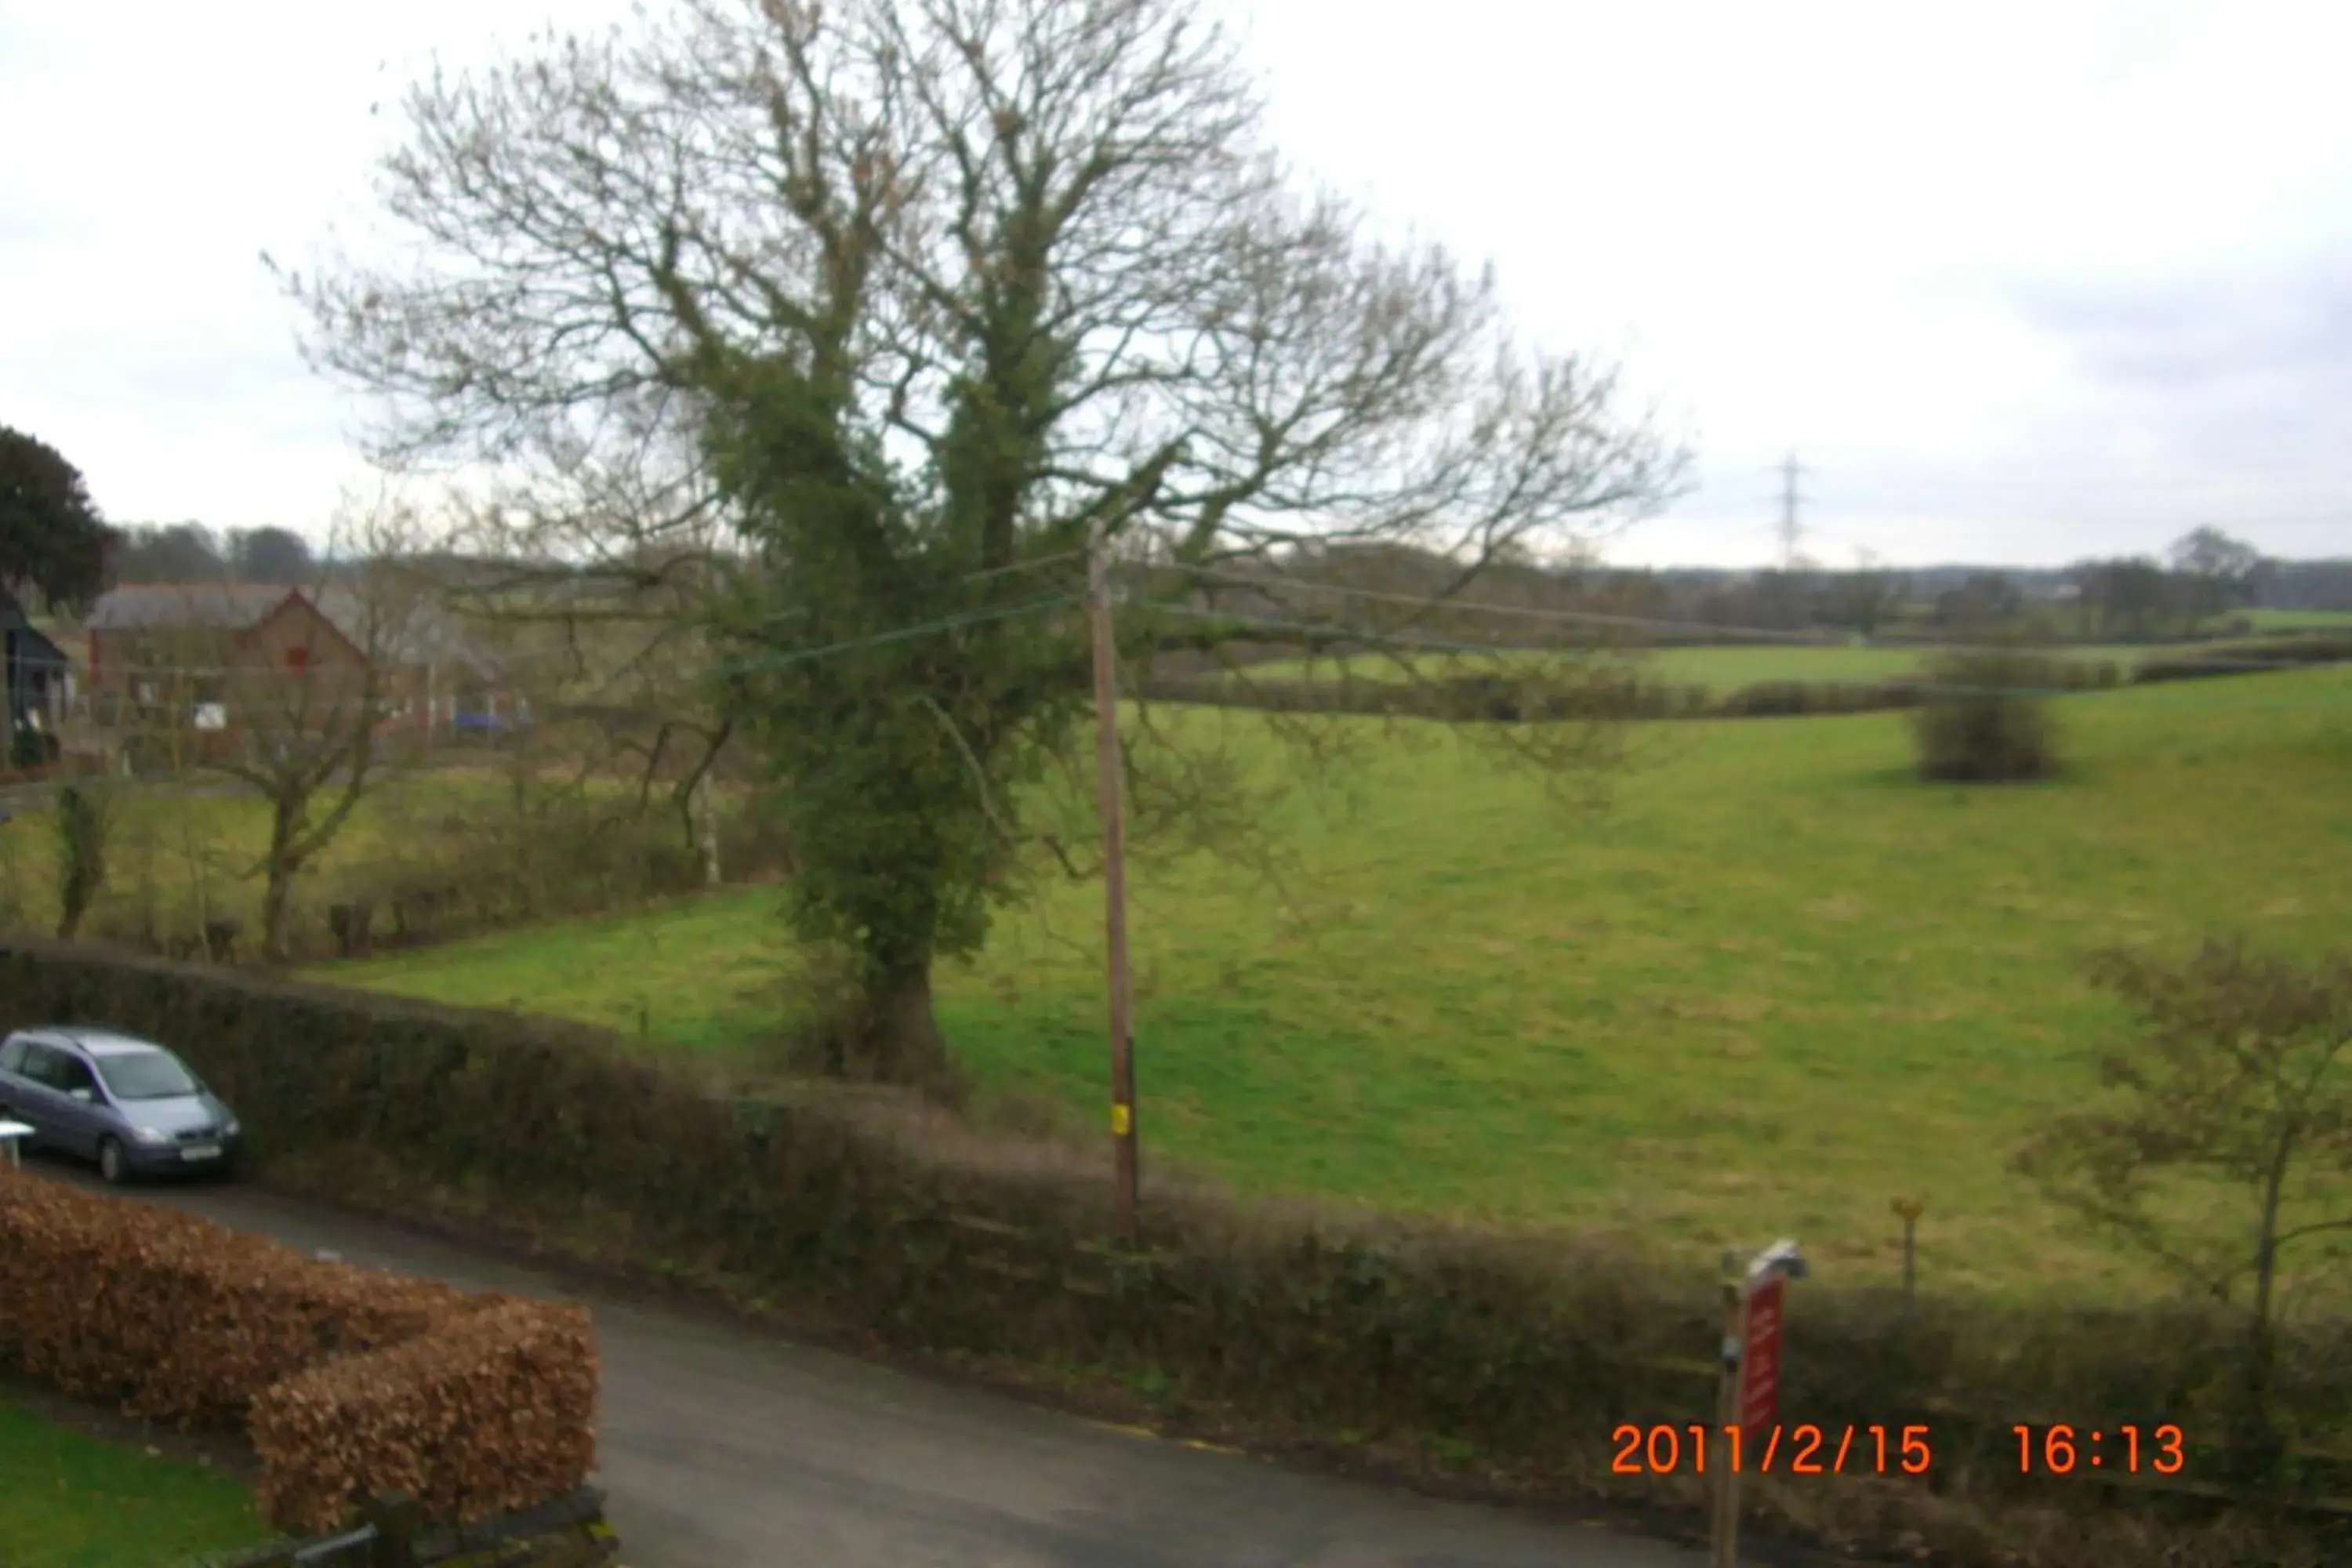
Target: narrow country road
x=724 y=1449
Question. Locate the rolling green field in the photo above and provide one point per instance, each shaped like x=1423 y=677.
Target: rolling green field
x=67 y=1500
x=1773 y=986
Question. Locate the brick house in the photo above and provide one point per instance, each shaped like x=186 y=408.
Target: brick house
x=228 y=658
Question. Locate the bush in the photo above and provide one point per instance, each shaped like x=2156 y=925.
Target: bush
x=30 y=749
x=177 y=1319
x=866 y=1217
x=491 y=1412
x=1984 y=718
x=552 y=856
x=350 y=1379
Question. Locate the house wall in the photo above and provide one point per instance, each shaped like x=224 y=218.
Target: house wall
x=255 y=671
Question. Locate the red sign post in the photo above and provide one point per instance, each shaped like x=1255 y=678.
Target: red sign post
x=1760 y=1356
x=1748 y=1397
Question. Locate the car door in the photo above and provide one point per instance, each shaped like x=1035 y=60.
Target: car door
x=35 y=1095
x=80 y=1103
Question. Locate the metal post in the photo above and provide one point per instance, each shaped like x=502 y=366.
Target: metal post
x=1726 y=1540
x=1122 y=1044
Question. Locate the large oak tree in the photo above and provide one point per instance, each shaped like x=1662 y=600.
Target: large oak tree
x=842 y=330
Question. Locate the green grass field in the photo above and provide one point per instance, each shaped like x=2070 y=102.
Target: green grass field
x=1774 y=985
x=67 y=1500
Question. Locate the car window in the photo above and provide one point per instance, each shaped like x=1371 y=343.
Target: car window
x=12 y=1055
x=69 y=1073
x=147 y=1075
x=40 y=1064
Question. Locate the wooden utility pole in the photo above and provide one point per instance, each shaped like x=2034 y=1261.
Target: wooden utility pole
x=1122 y=1040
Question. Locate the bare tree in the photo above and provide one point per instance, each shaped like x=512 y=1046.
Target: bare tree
x=302 y=709
x=851 y=327
x=2241 y=1081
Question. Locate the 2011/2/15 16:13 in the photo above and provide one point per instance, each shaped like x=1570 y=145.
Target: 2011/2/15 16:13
x=2063 y=1448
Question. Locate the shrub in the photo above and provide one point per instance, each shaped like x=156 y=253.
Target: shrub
x=490 y=1413
x=1984 y=718
x=175 y=1318
x=352 y=1380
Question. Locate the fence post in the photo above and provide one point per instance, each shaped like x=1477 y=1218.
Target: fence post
x=393 y=1515
x=1908 y=1211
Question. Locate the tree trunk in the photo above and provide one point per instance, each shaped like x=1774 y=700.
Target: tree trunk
x=277 y=889
x=898 y=1040
x=2256 y=1444
x=706 y=827
x=276 y=896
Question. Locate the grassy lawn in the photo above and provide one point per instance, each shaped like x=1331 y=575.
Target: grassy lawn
x=1773 y=986
x=67 y=1500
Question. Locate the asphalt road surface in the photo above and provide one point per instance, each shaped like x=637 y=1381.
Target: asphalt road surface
x=721 y=1448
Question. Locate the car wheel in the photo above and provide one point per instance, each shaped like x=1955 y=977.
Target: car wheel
x=110 y=1164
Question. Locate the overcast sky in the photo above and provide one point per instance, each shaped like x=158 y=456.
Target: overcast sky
x=2016 y=283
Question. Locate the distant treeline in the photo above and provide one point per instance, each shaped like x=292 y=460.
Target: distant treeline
x=187 y=552
x=2192 y=591
x=2205 y=579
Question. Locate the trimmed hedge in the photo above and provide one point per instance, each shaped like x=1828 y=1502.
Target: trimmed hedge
x=1614 y=694
x=349 y=1381
x=493 y=1411
x=2278 y=652
x=1521 y=1351
x=177 y=1319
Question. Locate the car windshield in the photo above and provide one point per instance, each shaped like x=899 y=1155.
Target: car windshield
x=146 y=1075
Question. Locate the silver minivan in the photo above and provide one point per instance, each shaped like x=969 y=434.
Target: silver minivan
x=127 y=1104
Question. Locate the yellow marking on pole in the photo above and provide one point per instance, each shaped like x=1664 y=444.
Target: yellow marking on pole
x=1122 y=1119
